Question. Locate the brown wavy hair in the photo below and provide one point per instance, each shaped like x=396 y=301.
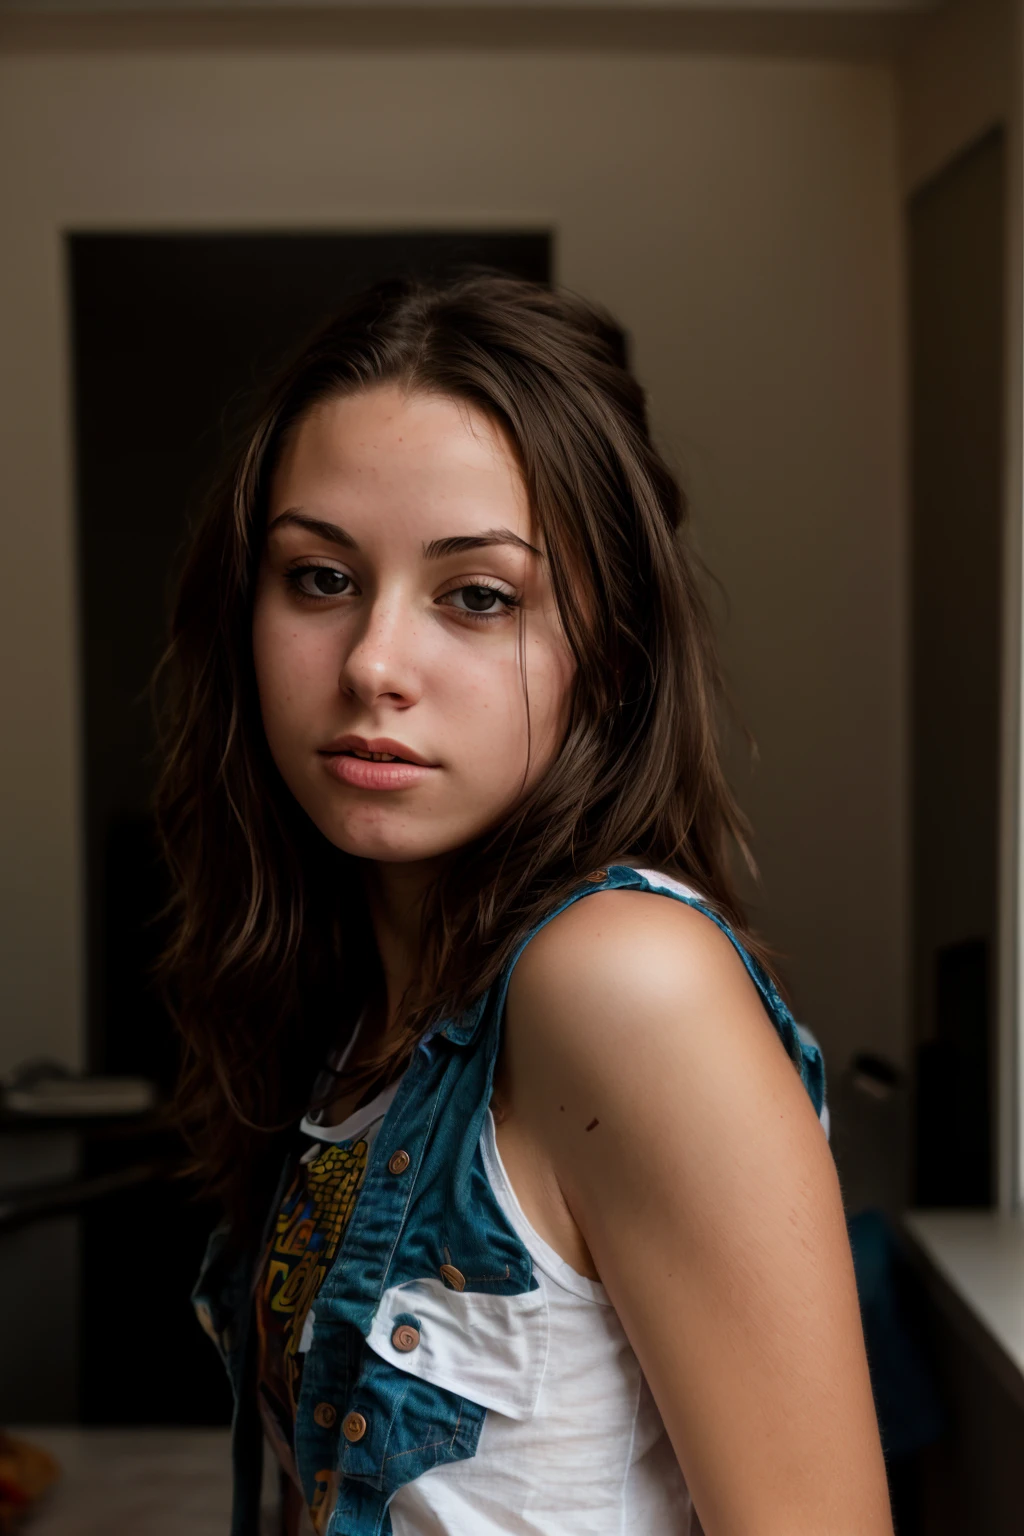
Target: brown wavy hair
x=272 y=952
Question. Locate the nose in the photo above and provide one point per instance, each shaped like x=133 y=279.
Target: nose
x=381 y=660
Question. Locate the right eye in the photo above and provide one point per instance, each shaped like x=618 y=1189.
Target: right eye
x=319 y=581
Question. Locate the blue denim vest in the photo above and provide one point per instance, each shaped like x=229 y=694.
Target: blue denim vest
x=365 y=1426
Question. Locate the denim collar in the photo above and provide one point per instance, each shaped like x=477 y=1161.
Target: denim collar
x=462 y=1030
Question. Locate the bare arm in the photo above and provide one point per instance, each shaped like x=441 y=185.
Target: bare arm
x=641 y=1062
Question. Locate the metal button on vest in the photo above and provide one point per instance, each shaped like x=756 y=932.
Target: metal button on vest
x=405 y=1337
x=325 y=1414
x=597 y=876
x=398 y=1162
x=353 y=1426
x=456 y=1279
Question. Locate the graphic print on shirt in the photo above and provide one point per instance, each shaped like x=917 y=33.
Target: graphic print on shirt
x=309 y=1227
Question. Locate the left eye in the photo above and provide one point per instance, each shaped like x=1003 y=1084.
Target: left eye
x=320 y=581
x=479 y=599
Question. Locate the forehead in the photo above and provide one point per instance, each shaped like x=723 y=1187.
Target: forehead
x=421 y=459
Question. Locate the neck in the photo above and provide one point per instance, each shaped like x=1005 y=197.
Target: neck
x=395 y=895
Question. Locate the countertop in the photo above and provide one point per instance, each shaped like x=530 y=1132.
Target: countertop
x=978 y=1256
x=135 y=1482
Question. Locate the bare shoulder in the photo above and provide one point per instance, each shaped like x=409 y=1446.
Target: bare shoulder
x=628 y=936
x=616 y=957
x=630 y=999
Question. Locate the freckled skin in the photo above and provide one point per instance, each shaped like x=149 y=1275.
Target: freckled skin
x=393 y=656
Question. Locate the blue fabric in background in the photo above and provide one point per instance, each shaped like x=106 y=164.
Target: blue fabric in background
x=907 y=1403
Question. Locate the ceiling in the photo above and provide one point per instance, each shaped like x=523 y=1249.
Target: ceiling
x=692 y=7
x=847 y=29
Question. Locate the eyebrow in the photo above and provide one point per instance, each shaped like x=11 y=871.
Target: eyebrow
x=437 y=549
x=332 y=532
x=457 y=544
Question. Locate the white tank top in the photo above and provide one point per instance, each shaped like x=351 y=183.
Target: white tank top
x=590 y=1458
x=572 y=1444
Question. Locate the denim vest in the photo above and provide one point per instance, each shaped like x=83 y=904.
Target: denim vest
x=425 y=1218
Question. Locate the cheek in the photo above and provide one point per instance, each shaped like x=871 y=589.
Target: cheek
x=290 y=664
x=478 y=698
x=499 y=738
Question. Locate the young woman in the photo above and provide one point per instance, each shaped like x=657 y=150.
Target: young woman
x=532 y=1226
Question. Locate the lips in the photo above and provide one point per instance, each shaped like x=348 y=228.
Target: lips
x=377 y=763
x=376 y=749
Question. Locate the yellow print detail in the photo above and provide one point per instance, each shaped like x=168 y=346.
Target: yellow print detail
x=308 y=1230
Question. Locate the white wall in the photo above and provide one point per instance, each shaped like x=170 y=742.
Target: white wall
x=742 y=219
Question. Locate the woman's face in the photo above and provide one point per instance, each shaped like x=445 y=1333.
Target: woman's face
x=401 y=601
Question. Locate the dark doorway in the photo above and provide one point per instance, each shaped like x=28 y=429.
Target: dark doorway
x=957 y=245
x=173 y=337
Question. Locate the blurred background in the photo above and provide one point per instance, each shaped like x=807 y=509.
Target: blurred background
x=808 y=217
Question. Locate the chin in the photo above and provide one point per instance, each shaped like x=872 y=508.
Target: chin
x=390 y=840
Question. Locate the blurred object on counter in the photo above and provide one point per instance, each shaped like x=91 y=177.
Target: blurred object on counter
x=140 y=1482
x=46 y=1088
x=26 y=1472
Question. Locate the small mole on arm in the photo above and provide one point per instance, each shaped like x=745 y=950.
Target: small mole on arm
x=590 y=1127
x=561 y=1106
